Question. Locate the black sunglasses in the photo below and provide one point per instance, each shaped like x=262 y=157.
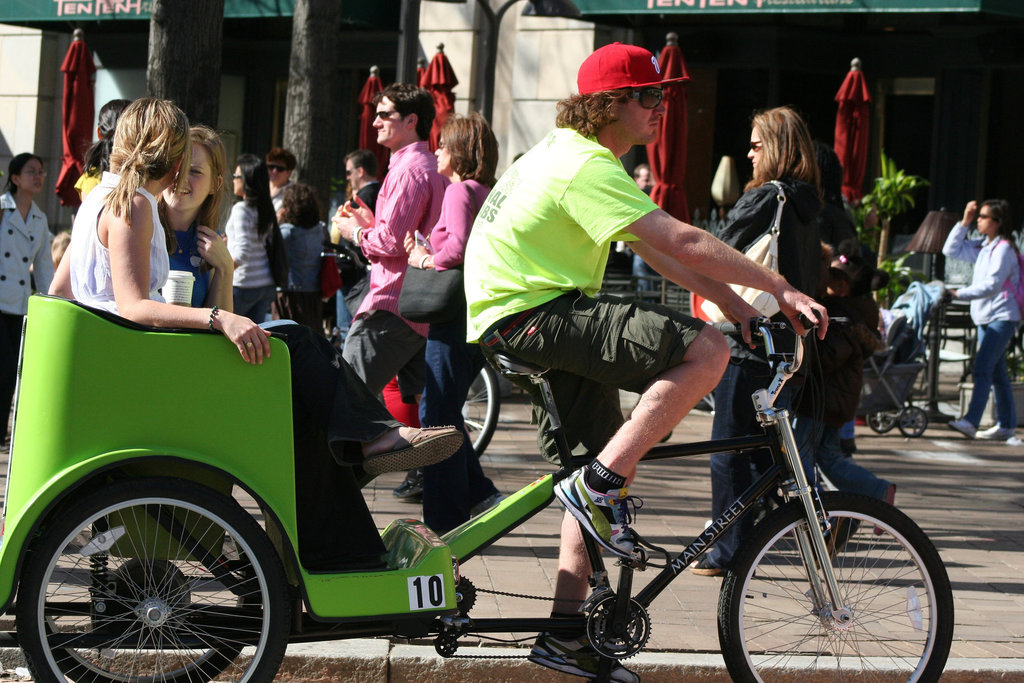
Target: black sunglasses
x=275 y=167
x=649 y=98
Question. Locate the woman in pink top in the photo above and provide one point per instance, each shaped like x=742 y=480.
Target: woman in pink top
x=467 y=154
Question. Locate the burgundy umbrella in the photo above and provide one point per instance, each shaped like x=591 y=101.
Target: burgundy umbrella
x=367 y=133
x=76 y=117
x=439 y=79
x=851 y=144
x=667 y=154
x=421 y=70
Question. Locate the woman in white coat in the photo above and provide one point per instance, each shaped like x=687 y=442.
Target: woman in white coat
x=25 y=263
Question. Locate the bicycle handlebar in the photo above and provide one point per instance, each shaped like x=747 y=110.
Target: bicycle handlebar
x=784 y=365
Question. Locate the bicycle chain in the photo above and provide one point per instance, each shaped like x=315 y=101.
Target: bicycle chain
x=524 y=596
x=506 y=594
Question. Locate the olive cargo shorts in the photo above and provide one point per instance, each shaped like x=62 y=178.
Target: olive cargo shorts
x=593 y=347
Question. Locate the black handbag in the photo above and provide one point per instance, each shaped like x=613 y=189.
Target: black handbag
x=431 y=296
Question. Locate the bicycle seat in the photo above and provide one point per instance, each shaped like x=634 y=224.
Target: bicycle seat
x=515 y=366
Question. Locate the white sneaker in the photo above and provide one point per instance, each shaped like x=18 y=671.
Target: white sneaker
x=996 y=433
x=964 y=427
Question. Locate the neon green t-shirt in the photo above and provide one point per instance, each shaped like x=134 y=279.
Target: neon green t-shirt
x=546 y=227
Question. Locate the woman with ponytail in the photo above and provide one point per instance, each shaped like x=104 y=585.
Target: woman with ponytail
x=119 y=261
x=97 y=157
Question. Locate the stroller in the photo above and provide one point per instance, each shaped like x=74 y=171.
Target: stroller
x=890 y=374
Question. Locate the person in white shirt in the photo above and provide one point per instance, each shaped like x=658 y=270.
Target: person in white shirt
x=993 y=309
x=25 y=263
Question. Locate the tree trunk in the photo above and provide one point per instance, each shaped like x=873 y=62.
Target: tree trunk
x=185 y=38
x=311 y=117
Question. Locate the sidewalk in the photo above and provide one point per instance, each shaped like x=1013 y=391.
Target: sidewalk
x=967 y=495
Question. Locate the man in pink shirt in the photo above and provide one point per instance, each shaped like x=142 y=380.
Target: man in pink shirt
x=381 y=344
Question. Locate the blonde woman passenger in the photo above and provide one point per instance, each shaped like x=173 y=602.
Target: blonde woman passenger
x=119 y=261
x=193 y=213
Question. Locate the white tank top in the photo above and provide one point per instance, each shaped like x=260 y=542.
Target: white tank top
x=90 y=261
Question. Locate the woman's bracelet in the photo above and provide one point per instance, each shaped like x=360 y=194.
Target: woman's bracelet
x=423 y=261
x=213 y=316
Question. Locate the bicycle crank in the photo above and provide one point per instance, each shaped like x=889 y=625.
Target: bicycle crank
x=617 y=643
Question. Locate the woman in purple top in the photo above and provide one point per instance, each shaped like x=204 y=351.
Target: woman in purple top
x=467 y=154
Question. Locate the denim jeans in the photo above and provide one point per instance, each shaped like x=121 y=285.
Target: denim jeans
x=818 y=444
x=732 y=473
x=254 y=302
x=451 y=487
x=990 y=373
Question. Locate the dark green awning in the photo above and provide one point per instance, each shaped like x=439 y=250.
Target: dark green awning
x=106 y=10
x=39 y=11
x=1013 y=8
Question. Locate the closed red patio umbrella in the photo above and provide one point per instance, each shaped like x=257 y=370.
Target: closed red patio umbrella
x=851 y=137
x=440 y=79
x=667 y=154
x=76 y=117
x=367 y=133
x=421 y=70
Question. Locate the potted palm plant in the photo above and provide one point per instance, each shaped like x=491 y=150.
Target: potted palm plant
x=893 y=194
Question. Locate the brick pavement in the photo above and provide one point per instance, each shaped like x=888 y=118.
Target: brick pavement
x=966 y=495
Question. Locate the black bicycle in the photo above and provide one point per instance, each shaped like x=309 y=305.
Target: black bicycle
x=834 y=584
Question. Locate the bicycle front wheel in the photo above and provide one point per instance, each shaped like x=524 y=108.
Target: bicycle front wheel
x=889 y=575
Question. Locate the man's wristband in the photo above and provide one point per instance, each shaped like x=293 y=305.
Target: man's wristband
x=355 y=236
x=423 y=261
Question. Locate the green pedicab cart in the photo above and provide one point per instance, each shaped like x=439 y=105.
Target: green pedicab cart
x=150 y=527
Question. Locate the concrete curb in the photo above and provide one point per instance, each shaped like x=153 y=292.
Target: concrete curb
x=380 y=661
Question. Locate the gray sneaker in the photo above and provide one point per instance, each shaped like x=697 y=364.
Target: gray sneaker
x=605 y=516
x=964 y=427
x=575 y=657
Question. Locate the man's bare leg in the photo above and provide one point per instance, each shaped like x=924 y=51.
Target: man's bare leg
x=663 y=404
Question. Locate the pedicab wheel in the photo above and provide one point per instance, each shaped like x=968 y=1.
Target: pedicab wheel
x=153 y=580
x=912 y=422
x=480 y=412
x=883 y=421
x=891 y=578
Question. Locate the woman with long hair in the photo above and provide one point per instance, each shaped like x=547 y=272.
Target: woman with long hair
x=781 y=150
x=467 y=154
x=246 y=228
x=97 y=157
x=119 y=262
x=993 y=309
x=193 y=214
x=25 y=262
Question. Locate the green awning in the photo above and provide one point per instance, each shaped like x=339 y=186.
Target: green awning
x=1014 y=8
x=106 y=10
x=356 y=12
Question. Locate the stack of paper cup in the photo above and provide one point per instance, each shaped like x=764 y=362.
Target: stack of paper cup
x=178 y=290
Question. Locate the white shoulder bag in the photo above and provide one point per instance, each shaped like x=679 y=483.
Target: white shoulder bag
x=764 y=250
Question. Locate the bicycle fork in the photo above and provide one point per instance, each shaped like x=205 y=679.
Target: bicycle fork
x=810 y=539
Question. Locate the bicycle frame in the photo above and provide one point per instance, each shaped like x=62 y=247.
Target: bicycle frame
x=786 y=473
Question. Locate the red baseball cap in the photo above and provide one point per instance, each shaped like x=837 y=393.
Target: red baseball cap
x=620 y=66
